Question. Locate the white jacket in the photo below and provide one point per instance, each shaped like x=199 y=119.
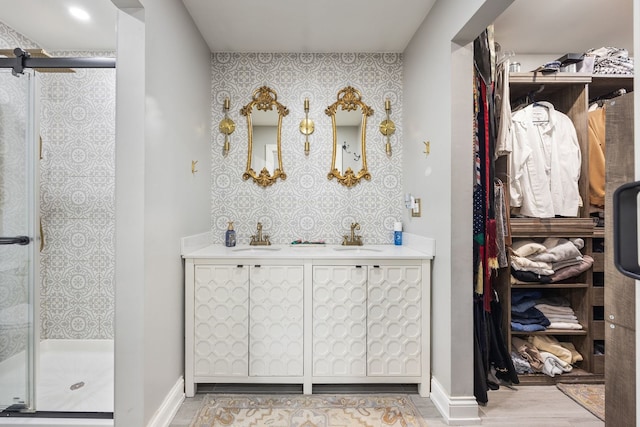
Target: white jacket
x=544 y=163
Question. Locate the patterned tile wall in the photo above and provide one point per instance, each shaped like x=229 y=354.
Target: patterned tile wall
x=78 y=202
x=306 y=205
x=77 y=124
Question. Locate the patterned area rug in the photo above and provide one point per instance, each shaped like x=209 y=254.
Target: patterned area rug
x=369 y=410
x=589 y=396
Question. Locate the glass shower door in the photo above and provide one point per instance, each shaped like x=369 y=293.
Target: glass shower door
x=17 y=237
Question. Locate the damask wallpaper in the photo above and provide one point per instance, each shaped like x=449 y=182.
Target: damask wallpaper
x=77 y=202
x=77 y=178
x=306 y=205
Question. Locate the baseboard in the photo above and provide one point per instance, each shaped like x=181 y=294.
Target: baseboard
x=165 y=413
x=458 y=410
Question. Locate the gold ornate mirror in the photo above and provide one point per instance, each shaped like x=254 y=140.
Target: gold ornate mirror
x=349 y=120
x=264 y=123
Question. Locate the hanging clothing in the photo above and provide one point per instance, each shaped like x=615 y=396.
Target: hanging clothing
x=502 y=231
x=503 y=108
x=545 y=162
x=597 y=132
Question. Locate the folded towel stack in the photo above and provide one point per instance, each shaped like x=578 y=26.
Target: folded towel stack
x=531 y=311
x=560 y=317
x=553 y=260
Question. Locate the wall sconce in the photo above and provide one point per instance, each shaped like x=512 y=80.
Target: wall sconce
x=227 y=126
x=387 y=127
x=306 y=126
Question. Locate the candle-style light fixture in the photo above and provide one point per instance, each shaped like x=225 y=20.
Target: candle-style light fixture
x=306 y=126
x=227 y=126
x=387 y=127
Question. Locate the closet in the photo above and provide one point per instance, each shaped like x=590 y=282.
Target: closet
x=569 y=93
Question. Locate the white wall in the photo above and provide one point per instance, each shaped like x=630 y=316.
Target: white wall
x=158 y=199
x=129 y=287
x=438 y=108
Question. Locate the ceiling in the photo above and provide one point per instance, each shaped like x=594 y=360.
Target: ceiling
x=308 y=26
x=53 y=28
x=526 y=27
x=563 y=26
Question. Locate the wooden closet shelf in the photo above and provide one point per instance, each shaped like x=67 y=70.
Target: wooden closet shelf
x=549 y=285
x=577 y=375
x=545 y=227
x=538 y=77
x=552 y=332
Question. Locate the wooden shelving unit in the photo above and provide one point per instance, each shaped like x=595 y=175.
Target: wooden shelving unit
x=569 y=93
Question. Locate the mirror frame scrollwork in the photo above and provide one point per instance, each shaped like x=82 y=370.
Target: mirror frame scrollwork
x=264 y=98
x=349 y=99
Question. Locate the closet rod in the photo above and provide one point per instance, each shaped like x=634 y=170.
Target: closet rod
x=23 y=60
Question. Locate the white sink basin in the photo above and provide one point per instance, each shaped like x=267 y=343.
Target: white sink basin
x=356 y=249
x=256 y=249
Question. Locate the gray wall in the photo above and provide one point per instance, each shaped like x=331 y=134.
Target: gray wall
x=438 y=107
x=163 y=116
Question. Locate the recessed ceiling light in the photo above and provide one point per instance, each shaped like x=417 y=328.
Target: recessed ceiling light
x=79 y=14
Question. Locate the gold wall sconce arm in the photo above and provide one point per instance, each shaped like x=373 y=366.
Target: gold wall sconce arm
x=227 y=126
x=306 y=126
x=387 y=127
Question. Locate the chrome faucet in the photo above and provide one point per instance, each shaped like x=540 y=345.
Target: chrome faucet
x=259 y=239
x=352 y=240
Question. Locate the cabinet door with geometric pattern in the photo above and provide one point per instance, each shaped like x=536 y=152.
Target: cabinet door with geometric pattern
x=339 y=321
x=221 y=320
x=394 y=321
x=276 y=321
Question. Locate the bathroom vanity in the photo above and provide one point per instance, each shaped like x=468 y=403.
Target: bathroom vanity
x=307 y=314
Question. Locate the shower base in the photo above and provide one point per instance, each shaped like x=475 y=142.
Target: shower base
x=73 y=376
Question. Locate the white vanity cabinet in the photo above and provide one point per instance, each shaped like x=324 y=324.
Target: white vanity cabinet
x=307 y=316
x=220 y=321
x=243 y=321
x=339 y=320
x=394 y=316
x=276 y=320
x=367 y=321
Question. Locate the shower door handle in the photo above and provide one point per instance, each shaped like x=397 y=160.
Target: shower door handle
x=18 y=240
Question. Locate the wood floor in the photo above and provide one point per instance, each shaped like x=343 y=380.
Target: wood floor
x=528 y=406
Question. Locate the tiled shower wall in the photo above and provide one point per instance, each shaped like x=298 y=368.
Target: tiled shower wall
x=307 y=205
x=77 y=202
x=77 y=126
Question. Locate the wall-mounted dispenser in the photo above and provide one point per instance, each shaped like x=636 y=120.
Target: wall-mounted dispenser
x=306 y=126
x=227 y=126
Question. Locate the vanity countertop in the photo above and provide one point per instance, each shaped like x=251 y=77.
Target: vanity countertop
x=302 y=251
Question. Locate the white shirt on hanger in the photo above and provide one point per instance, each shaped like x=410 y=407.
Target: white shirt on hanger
x=545 y=162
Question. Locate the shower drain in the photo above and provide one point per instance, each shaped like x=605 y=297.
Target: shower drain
x=77 y=385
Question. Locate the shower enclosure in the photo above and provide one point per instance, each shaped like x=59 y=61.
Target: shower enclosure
x=57 y=218
x=18 y=242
